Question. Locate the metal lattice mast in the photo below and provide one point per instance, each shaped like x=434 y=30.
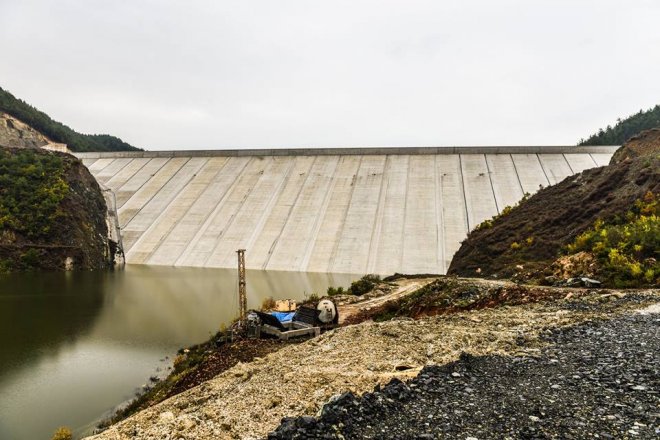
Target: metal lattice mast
x=242 y=295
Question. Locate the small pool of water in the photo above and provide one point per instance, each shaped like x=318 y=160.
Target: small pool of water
x=75 y=345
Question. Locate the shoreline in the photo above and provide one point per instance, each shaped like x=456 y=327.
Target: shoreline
x=203 y=410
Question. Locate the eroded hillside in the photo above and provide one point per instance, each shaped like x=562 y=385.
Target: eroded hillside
x=575 y=216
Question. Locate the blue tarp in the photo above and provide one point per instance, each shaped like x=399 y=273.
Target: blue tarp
x=283 y=316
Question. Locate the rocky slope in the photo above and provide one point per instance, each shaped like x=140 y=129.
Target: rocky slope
x=52 y=212
x=17 y=134
x=532 y=235
x=644 y=144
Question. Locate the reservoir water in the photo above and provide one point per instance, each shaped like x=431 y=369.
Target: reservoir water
x=75 y=345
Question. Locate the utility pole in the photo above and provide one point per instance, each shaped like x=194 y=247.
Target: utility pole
x=242 y=295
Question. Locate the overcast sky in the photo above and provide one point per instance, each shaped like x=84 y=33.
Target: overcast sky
x=211 y=74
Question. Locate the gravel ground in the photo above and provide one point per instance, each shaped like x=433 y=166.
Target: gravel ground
x=249 y=400
x=599 y=379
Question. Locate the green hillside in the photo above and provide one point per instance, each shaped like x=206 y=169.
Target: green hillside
x=57 y=131
x=626 y=128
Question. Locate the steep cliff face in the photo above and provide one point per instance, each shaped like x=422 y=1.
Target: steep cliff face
x=52 y=213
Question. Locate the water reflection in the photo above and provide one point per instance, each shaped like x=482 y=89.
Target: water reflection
x=74 y=345
x=40 y=312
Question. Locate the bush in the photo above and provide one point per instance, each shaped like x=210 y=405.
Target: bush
x=364 y=285
x=6 y=266
x=627 y=249
x=515 y=246
x=30 y=258
x=332 y=291
x=488 y=223
x=267 y=304
x=62 y=433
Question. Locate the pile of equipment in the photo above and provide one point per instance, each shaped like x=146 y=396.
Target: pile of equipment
x=304 y=321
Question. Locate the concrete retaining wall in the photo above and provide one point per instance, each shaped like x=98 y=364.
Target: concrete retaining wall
x=333 y=210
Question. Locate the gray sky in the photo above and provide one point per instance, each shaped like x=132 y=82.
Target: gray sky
x=210 y=74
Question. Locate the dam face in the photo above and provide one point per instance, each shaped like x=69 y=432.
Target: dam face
x=377 y=210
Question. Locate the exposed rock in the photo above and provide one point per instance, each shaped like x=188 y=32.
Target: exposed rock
x=570 y=266
x=647 y=143
x=14 y=133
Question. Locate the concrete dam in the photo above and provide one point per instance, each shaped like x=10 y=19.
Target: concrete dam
x=368 y=210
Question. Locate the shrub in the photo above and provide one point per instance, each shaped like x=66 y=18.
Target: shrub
x=515 y=246
x=30 y=258
x=332 y=291
x=62 y=433
x=627 y=249
x=6 y=266
x=268 y=304
x=488 y=223
x=506 y=211
x=364 y=284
